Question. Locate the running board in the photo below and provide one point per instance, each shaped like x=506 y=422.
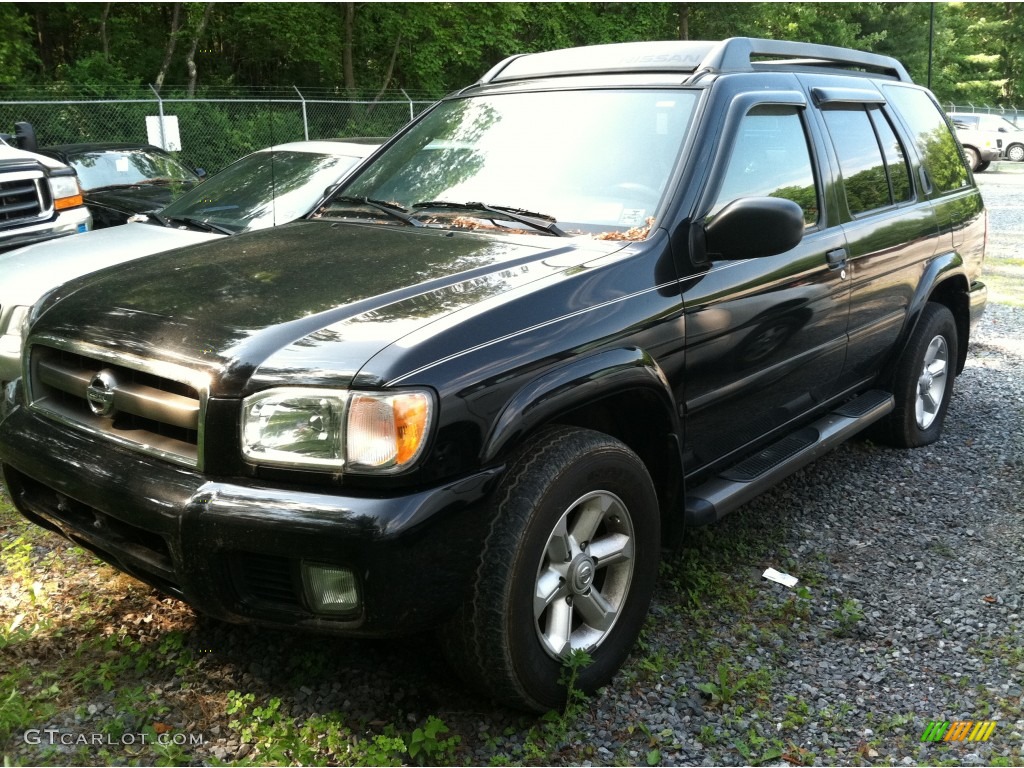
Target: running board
x=741 y=482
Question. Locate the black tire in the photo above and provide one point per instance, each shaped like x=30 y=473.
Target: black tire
x=590 y=498
x=1015 y=152
x=973 y=158
x=924 y=378
x=982 y=167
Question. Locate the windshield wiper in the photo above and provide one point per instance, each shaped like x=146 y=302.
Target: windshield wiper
x=530 y=218
x=391 y=209
x=203 y=224
x=163 y=220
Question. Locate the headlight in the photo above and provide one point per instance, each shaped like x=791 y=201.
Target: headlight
x=17 y=320
x=363 y=432
x=66 y=192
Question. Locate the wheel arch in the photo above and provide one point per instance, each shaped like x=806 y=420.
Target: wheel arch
x=622 y=393
x=943 y=282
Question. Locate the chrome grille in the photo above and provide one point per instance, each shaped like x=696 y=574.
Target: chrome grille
x=24 y=197
x=150 y=406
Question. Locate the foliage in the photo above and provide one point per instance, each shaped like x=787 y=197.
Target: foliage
x=17 y=57
x=430 y=48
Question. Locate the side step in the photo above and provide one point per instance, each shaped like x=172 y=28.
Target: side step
x=741 y=482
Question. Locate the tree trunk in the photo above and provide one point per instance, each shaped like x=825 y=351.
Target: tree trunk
x=683 y=9
x=45 y=48
x=346 y=48
x=190 y=60
x=103 y=32
x=172 y=40
x=391 y=68
x=387 y=76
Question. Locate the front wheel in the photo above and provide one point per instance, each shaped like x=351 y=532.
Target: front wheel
x=924 y=380
x=973 y=158
x=1015 y=152
x=569 y=565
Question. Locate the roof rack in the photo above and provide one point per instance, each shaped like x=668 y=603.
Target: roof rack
x=737 y=54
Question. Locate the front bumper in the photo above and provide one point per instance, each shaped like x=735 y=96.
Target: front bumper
x=233 y=549
x=69 y=222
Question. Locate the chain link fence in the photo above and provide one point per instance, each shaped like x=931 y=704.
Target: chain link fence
x=1014 y=115
x=213 y=131
x=216 y=131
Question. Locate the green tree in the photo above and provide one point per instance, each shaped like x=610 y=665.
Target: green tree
x=17 y=57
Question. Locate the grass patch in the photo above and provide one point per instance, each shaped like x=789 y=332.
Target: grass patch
x=1005 y=280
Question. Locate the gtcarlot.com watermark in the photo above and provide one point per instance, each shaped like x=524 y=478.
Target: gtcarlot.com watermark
x=54 y=737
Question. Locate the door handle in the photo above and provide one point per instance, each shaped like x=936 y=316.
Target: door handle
x=836 y=259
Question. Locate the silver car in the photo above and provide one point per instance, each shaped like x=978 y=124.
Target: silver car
x=269 y=187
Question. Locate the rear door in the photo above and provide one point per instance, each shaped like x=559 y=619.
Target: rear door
x=891 y=229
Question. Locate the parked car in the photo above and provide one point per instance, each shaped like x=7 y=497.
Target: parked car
x=264 y=189
x=40 y=197
x=119 y=180
x=1008 y=138
x=484 y=383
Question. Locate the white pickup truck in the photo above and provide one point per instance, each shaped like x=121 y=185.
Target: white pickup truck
x=39 y=196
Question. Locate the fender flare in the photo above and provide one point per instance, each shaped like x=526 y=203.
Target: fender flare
x=943 y=267
x=579 y=381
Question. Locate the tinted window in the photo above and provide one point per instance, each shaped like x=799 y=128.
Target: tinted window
x=770 y=158
x=935 y=143
x=895 y=157
x=965 y=121
x=871 y=158
x=860 y=159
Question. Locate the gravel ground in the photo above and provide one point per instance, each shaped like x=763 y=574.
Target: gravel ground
x=908 y=610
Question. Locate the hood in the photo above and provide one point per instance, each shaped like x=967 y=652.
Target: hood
x=295 y=291
x=13 y=156
x=136 y=198
x=28 y=273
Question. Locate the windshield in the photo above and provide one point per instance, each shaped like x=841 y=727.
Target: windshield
x=264 y=189
x=128 y=167
x=595 y=161
x=1004 y=125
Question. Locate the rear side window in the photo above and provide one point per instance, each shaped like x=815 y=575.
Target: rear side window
x=935 y=143
x=770 y=158
x=871 y=158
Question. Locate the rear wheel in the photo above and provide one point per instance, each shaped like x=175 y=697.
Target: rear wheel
x=1015 y=152
x=924 y=380
x=569 y=565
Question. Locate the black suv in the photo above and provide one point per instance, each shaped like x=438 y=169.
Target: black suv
x=599 y=296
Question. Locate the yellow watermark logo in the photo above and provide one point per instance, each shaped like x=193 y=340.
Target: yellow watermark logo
x=959 y=730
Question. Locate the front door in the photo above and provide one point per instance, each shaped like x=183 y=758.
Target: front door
x=765 y=337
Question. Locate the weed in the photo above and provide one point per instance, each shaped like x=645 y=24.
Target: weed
x=426 y=746
x=554 y=726
x=708 y=736
x=16 y=559
x=796 y=714
x=847 y=616
x=729 y=683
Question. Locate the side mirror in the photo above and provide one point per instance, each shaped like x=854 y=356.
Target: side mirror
x=25 y=137
x=752 y=227
x=201 y=173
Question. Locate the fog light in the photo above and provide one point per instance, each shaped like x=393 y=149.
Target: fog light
x=330 y=589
